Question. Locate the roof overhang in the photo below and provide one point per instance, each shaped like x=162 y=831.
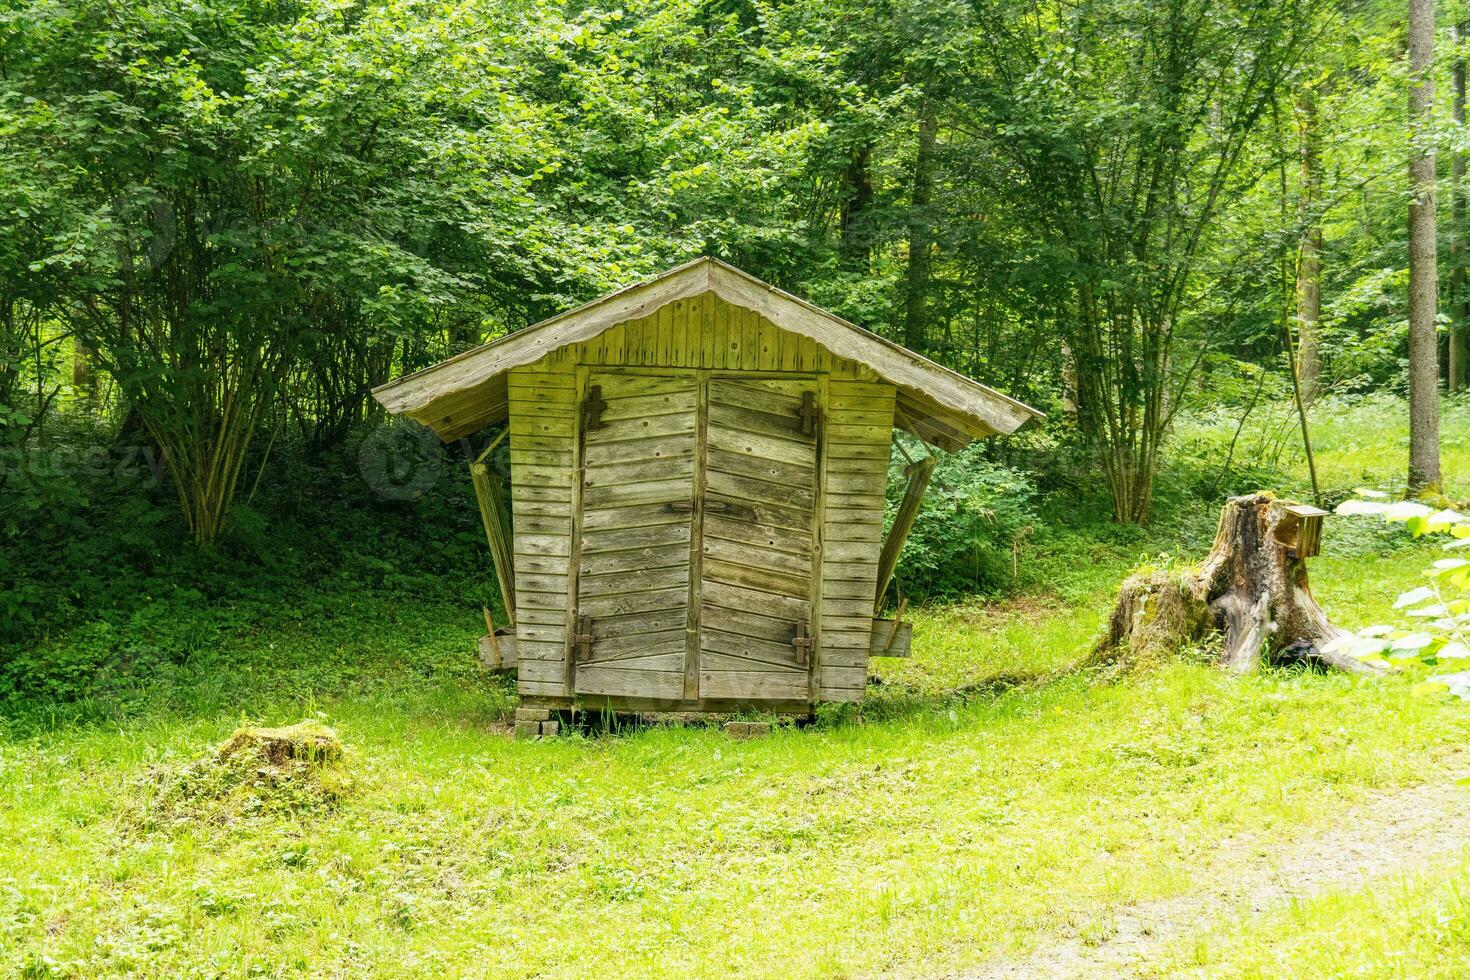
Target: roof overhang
x=468 y=391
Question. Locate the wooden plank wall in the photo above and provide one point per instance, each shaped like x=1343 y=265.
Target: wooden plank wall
x=859 y=428
x=543 y=442
x=859 y=418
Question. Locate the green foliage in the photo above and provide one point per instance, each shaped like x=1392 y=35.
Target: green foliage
x=971 y=531
x=252 y=214
x=1440 y=634
x=112 y=595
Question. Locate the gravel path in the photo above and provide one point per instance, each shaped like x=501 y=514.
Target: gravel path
x=1400 y=831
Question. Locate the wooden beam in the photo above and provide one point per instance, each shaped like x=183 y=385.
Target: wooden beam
x=497 y=533
x=903 y=522
x=930 y=428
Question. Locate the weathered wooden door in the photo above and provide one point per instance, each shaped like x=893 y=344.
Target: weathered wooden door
x=639 y=435
x=756 y=562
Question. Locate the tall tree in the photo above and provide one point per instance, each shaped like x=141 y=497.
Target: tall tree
x=1459 y=346
x=1127 y=125
x=1309 y=258
x=921 y=232
x=854 y=223
x=243 y=179
x=1423 y=274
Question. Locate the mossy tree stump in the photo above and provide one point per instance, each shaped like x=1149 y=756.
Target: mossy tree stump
x=306 y=741
x=1252 y=587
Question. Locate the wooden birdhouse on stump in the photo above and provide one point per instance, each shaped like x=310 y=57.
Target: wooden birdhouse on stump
x=697 y=478
x=1300 y=531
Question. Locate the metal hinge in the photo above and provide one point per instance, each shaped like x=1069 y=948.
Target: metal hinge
x=811 y=414
x=592 y=408
x=582 y=638
x=802 y=641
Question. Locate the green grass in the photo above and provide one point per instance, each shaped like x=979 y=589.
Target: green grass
x=1362 y=441
x=929 y=829
x=1407 y=926
x=985 y=798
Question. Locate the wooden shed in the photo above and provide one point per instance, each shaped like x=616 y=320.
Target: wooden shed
x=698 y=465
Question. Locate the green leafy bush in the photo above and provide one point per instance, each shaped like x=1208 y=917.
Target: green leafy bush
x=975 y=519
x=1440 y=609
x=112 y=590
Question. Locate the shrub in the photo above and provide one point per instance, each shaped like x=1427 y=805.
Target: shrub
x=966 y=539
x=111 y=591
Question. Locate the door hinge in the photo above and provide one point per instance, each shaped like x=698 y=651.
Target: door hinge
x=811 y=413
x=802 y=641
x=592 y=408
x=582 y=638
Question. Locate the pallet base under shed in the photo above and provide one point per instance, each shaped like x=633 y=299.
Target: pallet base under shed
x=593 y=704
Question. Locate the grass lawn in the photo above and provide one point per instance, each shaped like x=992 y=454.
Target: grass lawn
x=983 y=799
x=1356 y=443
x=924 y=831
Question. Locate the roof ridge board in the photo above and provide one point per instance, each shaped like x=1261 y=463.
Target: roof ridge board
x=895 y=347
x=538 y=325
x=713 y=270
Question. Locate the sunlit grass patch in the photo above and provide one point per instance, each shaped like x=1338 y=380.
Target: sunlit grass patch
x=1357 y=441
x=1414 y=925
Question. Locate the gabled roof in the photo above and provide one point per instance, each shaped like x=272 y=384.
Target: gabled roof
x=467 y=392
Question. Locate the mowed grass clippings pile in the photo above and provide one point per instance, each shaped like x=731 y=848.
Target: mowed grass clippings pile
x=292 y=770
x=942 y=831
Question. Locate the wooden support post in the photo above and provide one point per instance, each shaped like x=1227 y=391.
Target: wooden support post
x=497 y=532
x=903 y=522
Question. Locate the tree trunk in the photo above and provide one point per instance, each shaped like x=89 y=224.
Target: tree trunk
x=84 y=371
x=1459 y=345
x=921 y=238
x=1251 y=587
x=857 y=240
x=1423 y=275
x=1309 y=265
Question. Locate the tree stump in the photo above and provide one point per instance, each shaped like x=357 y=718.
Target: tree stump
x=1251 y=586
x=305 y=741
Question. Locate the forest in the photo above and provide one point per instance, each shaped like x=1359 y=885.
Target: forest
x=1221 y=244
